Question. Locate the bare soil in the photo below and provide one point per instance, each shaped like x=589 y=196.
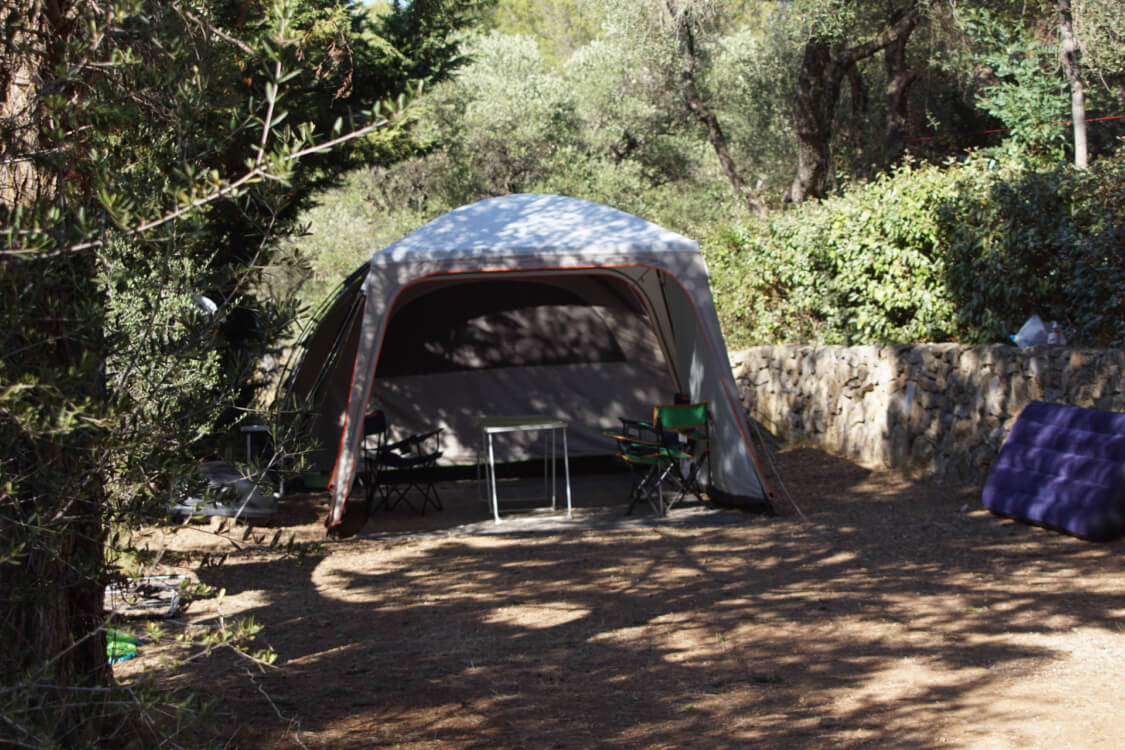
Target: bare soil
x=883 y=613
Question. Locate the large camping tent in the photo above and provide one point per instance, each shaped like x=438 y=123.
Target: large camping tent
x=525 y=304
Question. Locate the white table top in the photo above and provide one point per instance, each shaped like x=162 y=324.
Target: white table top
x=494 y=425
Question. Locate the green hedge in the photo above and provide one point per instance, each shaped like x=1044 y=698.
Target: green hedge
x=964 y=252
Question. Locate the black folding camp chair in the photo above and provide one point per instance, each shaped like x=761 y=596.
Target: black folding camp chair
x=667 y=453
x=374 y=438
x=395 y=470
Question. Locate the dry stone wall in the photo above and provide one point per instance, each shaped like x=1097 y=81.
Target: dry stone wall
x=933 y=409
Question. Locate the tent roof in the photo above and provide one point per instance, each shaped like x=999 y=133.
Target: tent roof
x=529 y=224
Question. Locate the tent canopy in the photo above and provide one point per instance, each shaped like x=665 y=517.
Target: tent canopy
x=525 y=304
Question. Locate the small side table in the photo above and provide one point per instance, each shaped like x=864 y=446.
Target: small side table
x=491 y=426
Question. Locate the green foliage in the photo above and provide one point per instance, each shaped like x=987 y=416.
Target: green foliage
x=853 y=269
x=1100 y=26
x=621 y=101
x=344 y=228
x=750 y=66
x=832 y=19
x=154 y=155
x=559 y=26
x=1025 y=90
x=964 y=252
x=608 y=124
x=1050 y=242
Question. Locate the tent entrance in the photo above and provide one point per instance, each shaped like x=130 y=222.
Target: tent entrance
x=577 y=346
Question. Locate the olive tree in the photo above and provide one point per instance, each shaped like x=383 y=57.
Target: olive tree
x=153 y=154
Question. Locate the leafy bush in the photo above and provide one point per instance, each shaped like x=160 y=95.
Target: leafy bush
x=1048 y=242
x=963 y=252
x=1026 y=92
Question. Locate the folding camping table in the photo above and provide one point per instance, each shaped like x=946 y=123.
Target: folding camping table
x=492 y=426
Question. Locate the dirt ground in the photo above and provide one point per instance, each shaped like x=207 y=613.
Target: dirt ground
x=883 y=613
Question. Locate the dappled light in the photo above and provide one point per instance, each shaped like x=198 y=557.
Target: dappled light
x=896 y=610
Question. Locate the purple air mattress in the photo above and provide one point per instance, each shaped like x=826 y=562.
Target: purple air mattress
x=1062 y=467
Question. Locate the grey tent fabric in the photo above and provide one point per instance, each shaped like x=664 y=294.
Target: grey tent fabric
x=525 y=304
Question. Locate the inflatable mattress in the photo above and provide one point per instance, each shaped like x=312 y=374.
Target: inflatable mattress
x=1062 y=467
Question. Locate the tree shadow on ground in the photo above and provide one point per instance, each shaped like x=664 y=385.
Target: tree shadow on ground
x=882 y=612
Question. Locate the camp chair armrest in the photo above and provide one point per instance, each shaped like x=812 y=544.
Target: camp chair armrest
x=636 y=424
x=393 y=460
x=631 y=440
x=638 y=448
x=413 y=442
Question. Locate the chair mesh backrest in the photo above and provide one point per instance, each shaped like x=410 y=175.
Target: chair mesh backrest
x=680 y=416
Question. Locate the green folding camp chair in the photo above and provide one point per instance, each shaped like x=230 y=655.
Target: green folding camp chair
x=669 y=452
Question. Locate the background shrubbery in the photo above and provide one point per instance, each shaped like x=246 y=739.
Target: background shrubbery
x=959 y=252
x=952 y=243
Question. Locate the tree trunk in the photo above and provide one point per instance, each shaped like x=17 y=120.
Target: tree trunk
x=899 y=79
x=21 y=60
x=695 y=104
x=1070 y=63
x=814 y=103
x=52 y=564
x=818 y=90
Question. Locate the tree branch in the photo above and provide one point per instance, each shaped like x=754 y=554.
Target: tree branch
x=217 y=32
x=187 y=208
x=686 y=43
x=887 y=36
